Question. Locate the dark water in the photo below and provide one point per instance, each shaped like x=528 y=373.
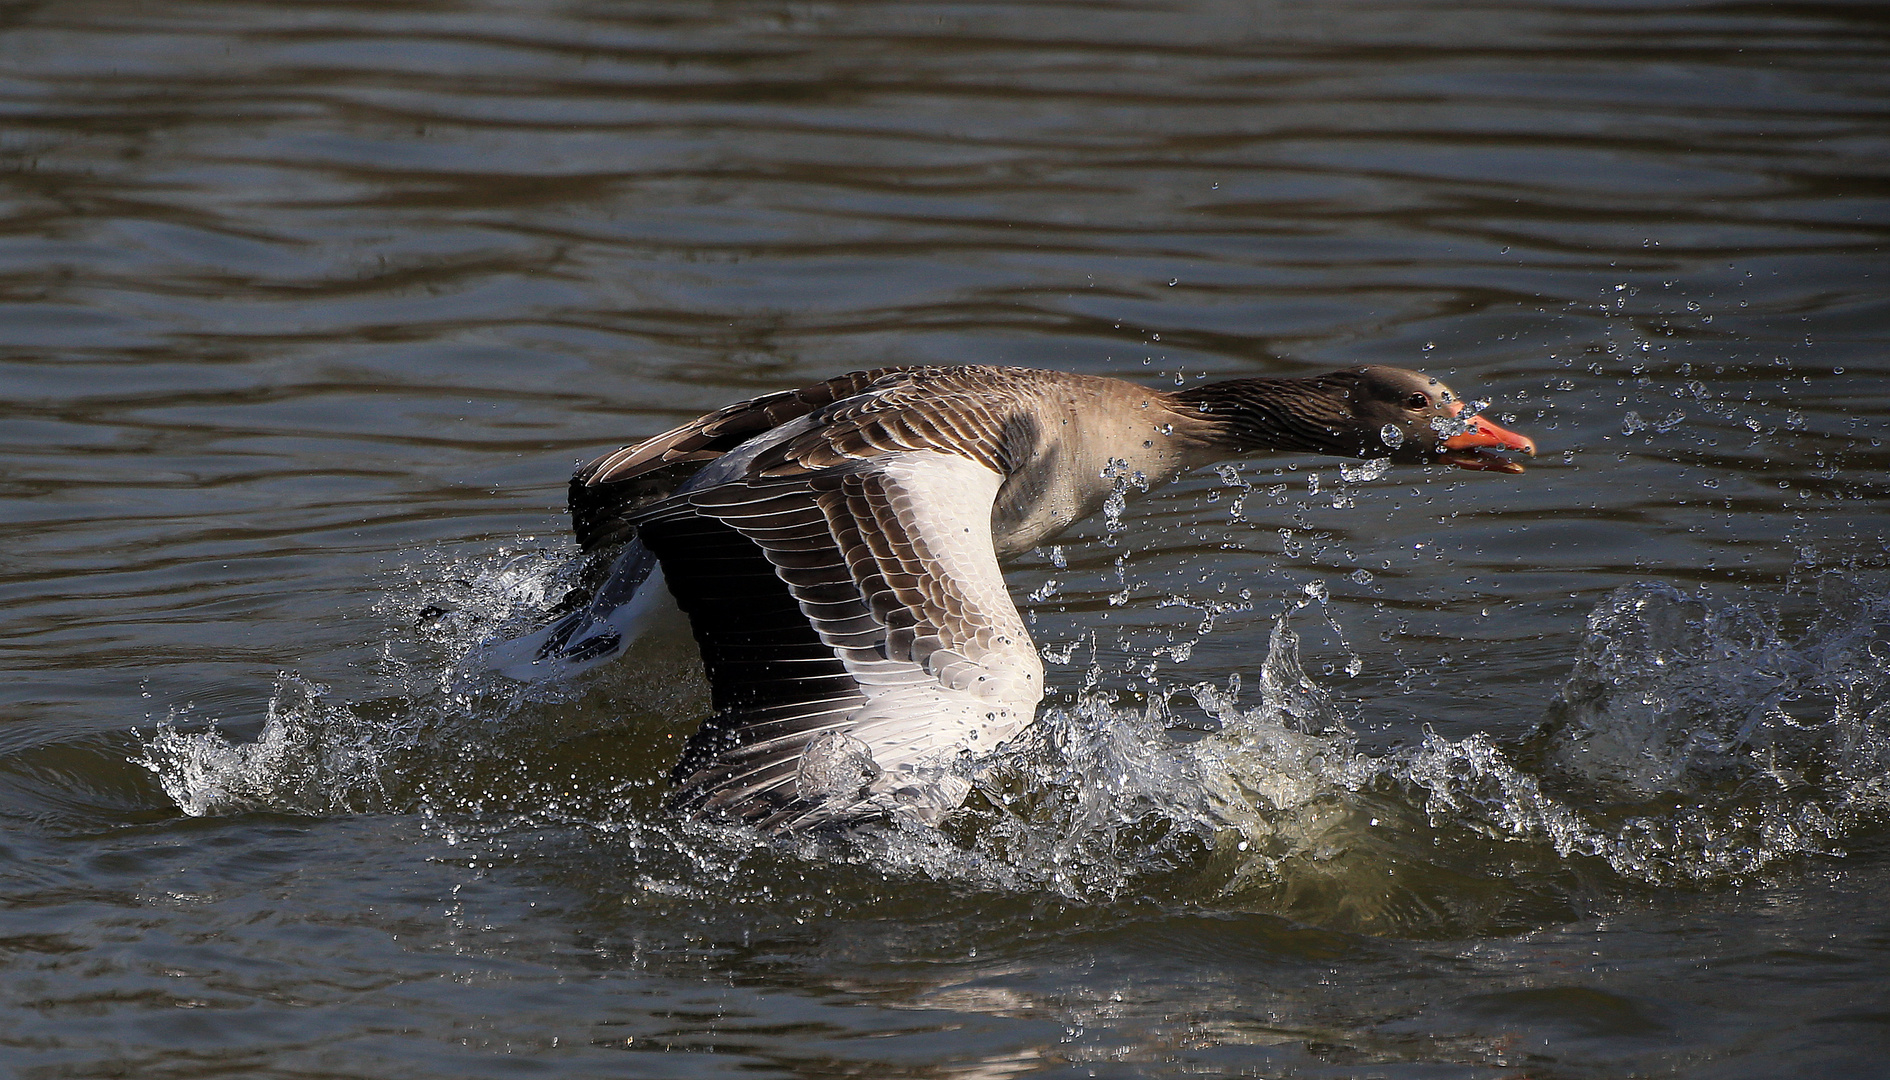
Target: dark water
x=309 y=307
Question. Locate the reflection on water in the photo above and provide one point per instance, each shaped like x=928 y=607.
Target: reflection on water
x=305 y=309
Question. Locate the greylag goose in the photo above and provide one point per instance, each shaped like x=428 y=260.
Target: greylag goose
x=836 y=549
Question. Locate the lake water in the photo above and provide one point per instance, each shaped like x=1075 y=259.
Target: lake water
x=310 y=307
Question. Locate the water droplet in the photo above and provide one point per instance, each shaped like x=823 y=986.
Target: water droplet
x=1369 y=470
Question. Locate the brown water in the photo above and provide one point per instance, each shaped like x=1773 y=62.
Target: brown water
x=309 y=308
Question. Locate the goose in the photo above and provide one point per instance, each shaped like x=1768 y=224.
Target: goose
x=837 y=550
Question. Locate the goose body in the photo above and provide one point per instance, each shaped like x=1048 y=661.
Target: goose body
x=837 y=552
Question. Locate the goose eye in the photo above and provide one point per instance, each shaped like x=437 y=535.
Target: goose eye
x=1418 y=400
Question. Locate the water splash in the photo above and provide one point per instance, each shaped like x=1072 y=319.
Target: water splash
x=312 y=756
x=437 y=727
x=1365 y=471
x=1694 y=743
x=1121 y=478
x=443 y=611
x=1756 y=747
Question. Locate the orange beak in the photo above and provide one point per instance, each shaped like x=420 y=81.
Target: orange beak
x=1470 y=450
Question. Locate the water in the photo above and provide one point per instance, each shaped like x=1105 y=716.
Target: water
x=309 y=308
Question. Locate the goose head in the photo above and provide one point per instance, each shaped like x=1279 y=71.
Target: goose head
x=1365 y=412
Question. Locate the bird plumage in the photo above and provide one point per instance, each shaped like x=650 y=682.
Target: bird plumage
x=837 y=548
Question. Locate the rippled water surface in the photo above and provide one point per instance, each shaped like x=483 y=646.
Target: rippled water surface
x=307 y=309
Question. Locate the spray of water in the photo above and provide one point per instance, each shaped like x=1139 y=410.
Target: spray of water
x=1693 y=744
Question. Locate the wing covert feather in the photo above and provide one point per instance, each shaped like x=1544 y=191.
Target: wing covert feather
x=607 y=492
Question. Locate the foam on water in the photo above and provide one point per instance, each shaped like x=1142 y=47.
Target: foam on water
x=1694 y=743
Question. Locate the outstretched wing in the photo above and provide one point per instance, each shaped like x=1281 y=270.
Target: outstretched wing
x=967 y=411
x=857 y=630
x=606 y=492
